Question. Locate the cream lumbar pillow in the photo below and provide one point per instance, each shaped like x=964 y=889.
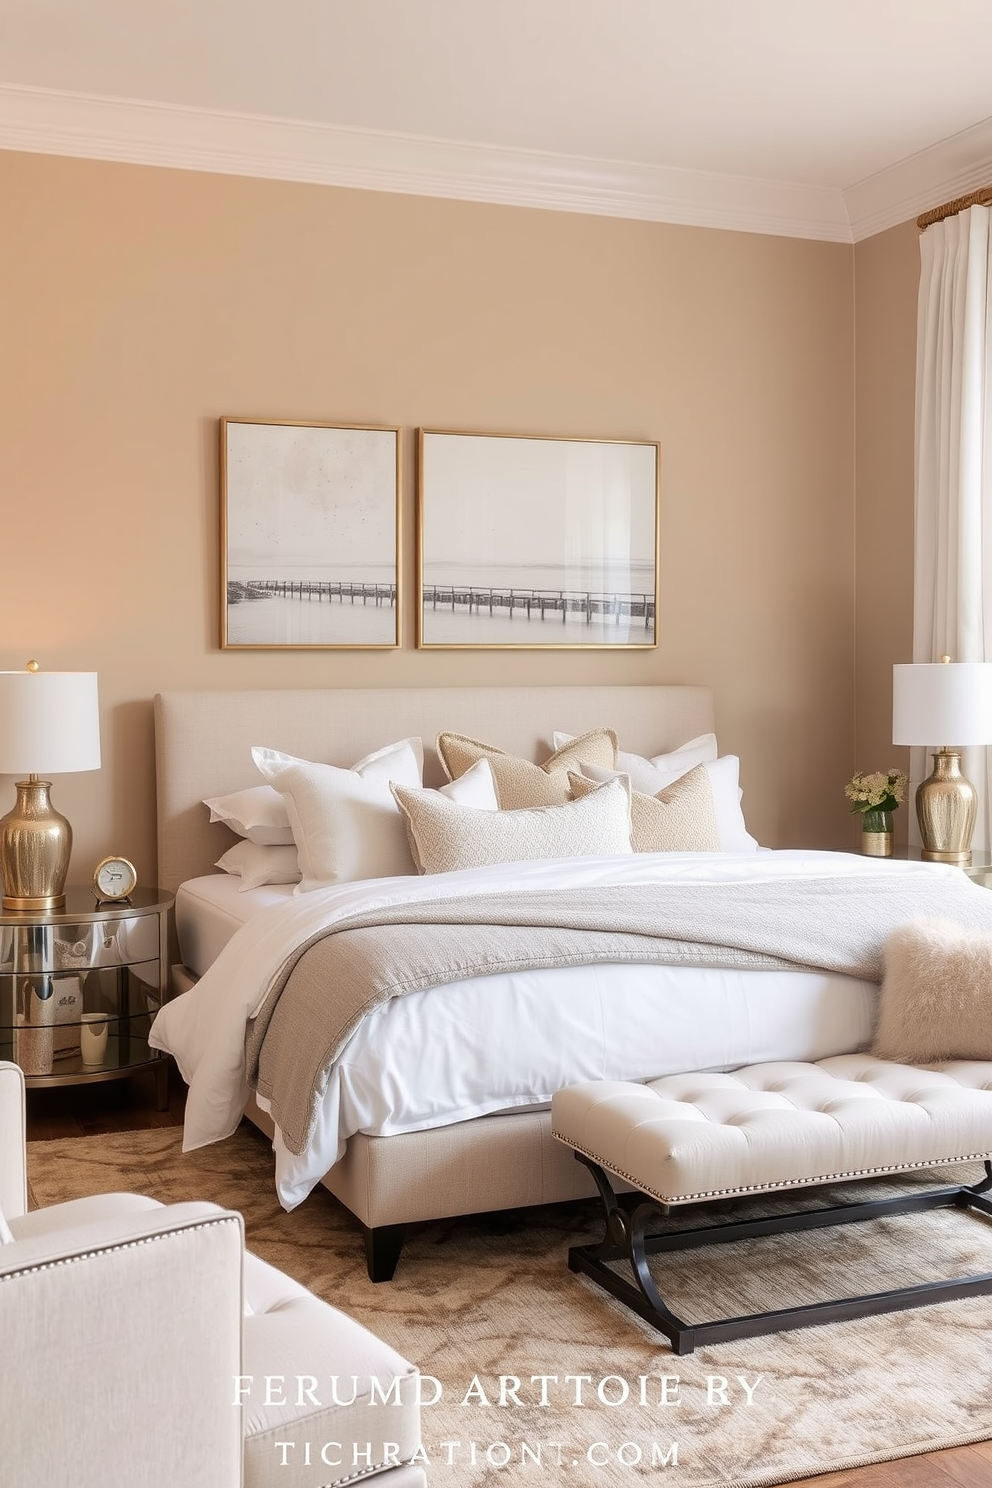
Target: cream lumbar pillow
x=936 y=998
x=519 y=783
x=345 y=823
x=445 y=836
x=679 y=819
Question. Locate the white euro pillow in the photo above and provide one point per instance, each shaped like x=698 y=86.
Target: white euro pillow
x=724 y=774
x=345 y=823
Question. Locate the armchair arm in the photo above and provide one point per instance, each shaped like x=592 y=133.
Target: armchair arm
x=121 y=1341
x=13 y=1167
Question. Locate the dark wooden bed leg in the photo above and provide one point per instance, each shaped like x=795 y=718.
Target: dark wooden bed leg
x=383 y=1244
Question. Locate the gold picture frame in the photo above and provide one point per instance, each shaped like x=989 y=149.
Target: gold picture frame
x=310 y=535
x=537 y=541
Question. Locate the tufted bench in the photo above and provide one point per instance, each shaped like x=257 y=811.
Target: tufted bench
x=693 y=1138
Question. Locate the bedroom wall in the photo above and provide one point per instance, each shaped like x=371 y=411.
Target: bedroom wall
x=887 y=276
x=138 y=305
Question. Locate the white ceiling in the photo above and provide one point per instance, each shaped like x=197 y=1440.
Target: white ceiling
x=816 y=118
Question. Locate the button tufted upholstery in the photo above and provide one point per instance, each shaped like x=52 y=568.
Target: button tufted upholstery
x=691 y=1137
x=175 y=1355
x=288 y=1333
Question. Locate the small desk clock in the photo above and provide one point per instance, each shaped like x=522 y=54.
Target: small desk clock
x=114 y=879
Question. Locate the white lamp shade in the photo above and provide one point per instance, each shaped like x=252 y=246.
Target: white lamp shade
x=49 y=722
x=942 y=703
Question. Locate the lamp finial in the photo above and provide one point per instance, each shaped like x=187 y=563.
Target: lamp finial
x=33 y=666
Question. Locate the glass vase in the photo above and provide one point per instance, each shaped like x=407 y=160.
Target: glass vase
x=876 y=834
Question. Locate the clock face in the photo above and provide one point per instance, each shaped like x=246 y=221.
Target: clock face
x=114 y=878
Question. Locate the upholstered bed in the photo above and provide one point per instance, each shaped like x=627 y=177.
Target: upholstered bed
x=630 y=1019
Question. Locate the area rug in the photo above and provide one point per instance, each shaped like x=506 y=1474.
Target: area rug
x=540 y=1377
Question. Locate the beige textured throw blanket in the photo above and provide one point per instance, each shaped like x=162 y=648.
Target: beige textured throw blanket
x=338 y=977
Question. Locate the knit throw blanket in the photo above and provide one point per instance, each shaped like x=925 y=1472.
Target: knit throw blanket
x=335 y=979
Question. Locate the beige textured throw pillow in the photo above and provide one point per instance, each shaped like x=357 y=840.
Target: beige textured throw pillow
x=936 y=997
x=445 y=836
x=519 y=783
x=681 y=818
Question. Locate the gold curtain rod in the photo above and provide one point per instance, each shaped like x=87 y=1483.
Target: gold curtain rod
x=980 y=198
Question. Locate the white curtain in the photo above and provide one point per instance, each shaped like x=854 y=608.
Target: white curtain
x=953 y=580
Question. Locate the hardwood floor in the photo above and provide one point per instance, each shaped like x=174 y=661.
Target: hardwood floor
x=110 y=1106
x=129 y=1105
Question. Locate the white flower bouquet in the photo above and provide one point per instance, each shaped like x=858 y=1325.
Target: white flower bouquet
x=879 y=791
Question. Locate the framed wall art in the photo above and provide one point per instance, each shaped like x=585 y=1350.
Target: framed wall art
x=539 y=542
x=310 y=535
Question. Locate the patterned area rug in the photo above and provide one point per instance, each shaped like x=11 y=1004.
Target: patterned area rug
x=594 y=1395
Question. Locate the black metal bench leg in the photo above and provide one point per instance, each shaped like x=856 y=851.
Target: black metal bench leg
x=627 y=1239
x=383 y=1244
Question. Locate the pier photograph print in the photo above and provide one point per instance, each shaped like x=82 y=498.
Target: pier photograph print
x=309 y=543
x=536 y=541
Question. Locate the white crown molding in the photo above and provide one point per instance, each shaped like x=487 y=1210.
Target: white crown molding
x=45 y=121
x=56 y=123
x=946 y=170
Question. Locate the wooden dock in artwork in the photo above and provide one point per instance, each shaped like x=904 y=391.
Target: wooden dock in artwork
x=344 y=591
x=539 y=604
x=543 y=604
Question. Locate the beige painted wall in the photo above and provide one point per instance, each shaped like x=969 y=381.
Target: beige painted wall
x=138 y=305
x=887 y=276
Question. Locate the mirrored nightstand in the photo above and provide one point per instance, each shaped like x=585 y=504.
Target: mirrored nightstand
x=80 y=987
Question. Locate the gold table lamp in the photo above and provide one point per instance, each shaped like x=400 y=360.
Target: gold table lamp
x=944 y=700
x=49 y=724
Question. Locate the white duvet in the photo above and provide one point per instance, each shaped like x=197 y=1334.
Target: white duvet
x=498 y=1043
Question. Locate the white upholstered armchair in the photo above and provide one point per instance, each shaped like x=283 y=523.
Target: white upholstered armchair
x=142 y=1344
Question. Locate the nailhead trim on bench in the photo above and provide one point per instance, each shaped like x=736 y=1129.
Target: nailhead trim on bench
x=784 y=1183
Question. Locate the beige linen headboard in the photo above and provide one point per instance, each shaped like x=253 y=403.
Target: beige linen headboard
x=203 y=739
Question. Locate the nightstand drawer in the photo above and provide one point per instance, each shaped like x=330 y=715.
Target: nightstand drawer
x=79 y=947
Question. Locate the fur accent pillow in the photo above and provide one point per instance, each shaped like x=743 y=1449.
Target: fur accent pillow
x=445 y=836
x=681 y=818
x=936 y=997
x=519 y=783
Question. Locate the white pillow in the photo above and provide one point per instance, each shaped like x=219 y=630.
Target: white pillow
x=6 y=1238
x=345 y=822
x=445 y=836
x=652 y=775
x=475 y=788
x=258 y=814
x=724 y=781
x=257 y=865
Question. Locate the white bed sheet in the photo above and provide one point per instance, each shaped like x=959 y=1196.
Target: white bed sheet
x=210 y=909
x=440 y=1056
